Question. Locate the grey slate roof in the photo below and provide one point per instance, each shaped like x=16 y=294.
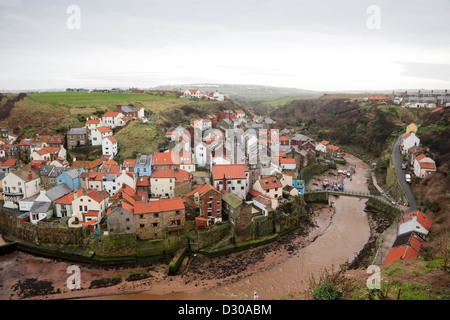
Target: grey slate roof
x=41 y=206
x=72 y=173
x=77 y=131
x=58 y=192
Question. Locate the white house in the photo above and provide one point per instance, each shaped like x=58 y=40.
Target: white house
x=88 y=205
x=232 y=178
x=322 y=146
x=49 y=154
x=239 y=114
x=98 y=134
x=42 y=207
x=423 y=166
x=288 y=164
x=409 y=141
x=110 y=146
x=126 y=178
x=415 y=221
x=193 y=93
x=164 y=181
x=218 y=160
x=218 y=96
x=20 y=184
x=113 y=119
x=202 y=154
x=269 y=186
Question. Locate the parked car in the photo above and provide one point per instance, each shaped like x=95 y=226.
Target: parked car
x=403 y=166
x=408 y=178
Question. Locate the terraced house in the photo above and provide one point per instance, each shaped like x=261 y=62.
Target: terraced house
x=232 y=178
x=158 y=218
x=20 y=184
x=77 y=137
x=164 y=182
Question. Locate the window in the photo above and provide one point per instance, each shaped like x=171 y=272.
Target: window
x=81 y=208
x=141 y=226
x=177 y=212
x=155 y=225
x=85 y=208
x=141 y=216
x=156 y=215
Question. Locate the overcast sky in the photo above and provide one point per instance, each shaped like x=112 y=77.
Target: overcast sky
x=317 y=45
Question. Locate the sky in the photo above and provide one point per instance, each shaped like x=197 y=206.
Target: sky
x=324 y=45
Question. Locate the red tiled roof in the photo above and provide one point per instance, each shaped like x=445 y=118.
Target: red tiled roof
x=91 y=213
x=333 y=147
x=129 y=162
x=270 y=183
x=171 y=158
x=325 y=142
x=407 y=136
x=143 y=182
x=161 y=205
x=418 y=158
x=93 y=121
x=436 y=110
x=230 y=171
x=179 y=175
x=111 y=114
x=205 y=188
x=9 y=163
x=427 y=165
x=287 y=160
x=190 y=193
x=254 y=193
x=96 y=176
x=96 y=196
x=68 y=199
x=104 y=129
x=421 y=218
x=93 y=164
x=401 y=253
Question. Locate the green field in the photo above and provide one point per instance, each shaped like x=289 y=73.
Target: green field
x=90 y=98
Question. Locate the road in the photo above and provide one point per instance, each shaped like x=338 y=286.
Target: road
x=397 y=159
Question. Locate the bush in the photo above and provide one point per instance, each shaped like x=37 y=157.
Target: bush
x=327 y=291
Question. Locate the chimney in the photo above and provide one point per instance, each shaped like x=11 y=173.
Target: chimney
x=30 y=176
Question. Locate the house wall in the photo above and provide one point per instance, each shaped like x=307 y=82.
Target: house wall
x=162 y=187
x=83 y=204
x=237 y=186
x=63 y=210
x=121 y=221
x=210 y=204
x=411 y=225
x=151 y=226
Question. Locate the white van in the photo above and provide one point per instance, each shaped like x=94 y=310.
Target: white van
x=408 y=178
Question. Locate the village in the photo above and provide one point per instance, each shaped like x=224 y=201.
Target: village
x=154 y=195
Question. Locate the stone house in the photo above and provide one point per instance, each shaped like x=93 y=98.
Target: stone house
x=154 y=219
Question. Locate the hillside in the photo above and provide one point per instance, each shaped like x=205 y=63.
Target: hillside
x=361 y=127
x=433 y=192
x=53 y=112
